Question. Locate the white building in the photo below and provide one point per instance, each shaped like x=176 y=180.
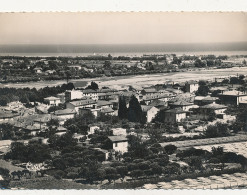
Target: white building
x=53 y=101
x=90 y=93
x=119 y=143
x=175 y=115
x=182 y=104
x=206 y=110
x=119 y=131
x=191 y=86
x=150 y=112
x=88 y=103
x=65 y=114
x=73 y=94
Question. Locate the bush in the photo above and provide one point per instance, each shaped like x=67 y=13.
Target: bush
x=170 y=149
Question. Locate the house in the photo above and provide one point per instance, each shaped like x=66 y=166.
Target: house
x=232 y=97
x=108 y=111
x=73 y=95
x=158 y=104
x=53 y=101
x=104 y=104
x=93 y=94
x=119 y=131
x=65 y=114
x=182 y=104
x=42 y=109
x=33 y=129
x=6 y=116
x=119 y=143
x=61 y=130
x=87 y=103
x=75 y=67
x=206 y=111
x=149 y=112
x=38 y=70
x=104 y=96
x=61 y=96
x=92 y=129
x=148 y=91
x=209 y=100
x=148 y=99
x=191 y=86
x=175 y=115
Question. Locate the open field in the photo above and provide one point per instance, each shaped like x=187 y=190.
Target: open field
x=119 y=82
x=210 y=142
x=235 y=180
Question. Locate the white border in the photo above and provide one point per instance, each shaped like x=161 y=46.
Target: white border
x=121 y=5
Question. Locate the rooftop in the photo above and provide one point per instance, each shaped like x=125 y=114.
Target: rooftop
x=118 y=138
x=214 y=106
x=51 y=98
x=233 y=93
x=103 y=103
x=107 y=110
x=181 y=103
x=176 y=111
x=65 y=111
x=83 y=102
x=146 y=108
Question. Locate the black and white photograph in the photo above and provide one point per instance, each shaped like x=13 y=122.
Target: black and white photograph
x=123 y=100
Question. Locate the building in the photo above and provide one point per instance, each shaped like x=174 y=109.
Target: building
x=93 y=94
x=149 y=91
x=182 y=104
x=104 y=104
x=73 y=95
x=61 y=96
x=119 y=131
x=75 y=105
x=232 y=97
x=38 y=70
x=108 y=111
x=53 y=101
x=175 y=115
x=7 y=116
x=149 y=112
x=92 y=129
x=191 y=86
x=65 y=114
x=206 y=111
x=119 y=143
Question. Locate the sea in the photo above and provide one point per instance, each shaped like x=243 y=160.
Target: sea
x=131 y=50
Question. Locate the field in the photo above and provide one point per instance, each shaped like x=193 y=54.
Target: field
x=235 y=180
x=119 y=82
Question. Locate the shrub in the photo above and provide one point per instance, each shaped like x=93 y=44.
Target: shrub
x=170 y=149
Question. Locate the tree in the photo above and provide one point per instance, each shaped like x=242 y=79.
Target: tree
x=170 y=149
x=203 y=89
x=122 y=110
x=155 y=135
x=136 y=173
x=122 y=171
x=217 y=130
x=195 y=161
x=111 y=174
x=156 y=169
x=53 y=122
x=93 y=86
x=135 y=111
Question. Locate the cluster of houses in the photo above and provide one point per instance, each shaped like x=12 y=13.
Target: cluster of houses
x=178 y=106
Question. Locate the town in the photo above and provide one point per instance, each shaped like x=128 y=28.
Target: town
x=25 y=69
x=190 y=134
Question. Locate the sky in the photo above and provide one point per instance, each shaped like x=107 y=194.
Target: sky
x=122 y=28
